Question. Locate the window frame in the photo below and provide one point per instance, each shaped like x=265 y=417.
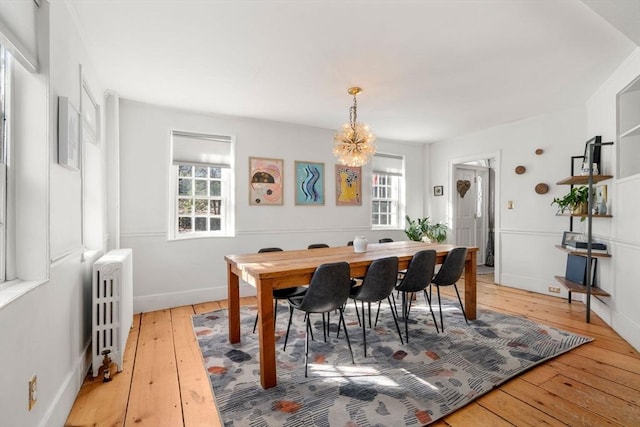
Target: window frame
x=227 y=196
x=389 y=167
x=4 y=154
x=392 y=186
x=91 y=174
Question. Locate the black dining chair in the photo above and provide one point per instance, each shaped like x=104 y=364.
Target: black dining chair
x=317 y=246
x=328 y=291
x=377 y=285
x=416 y=279
x=279 y=294
x=448 y=275
x=385 y=240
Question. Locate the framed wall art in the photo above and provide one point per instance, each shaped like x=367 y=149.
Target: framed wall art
x=348 y=185
x=309 y=183
x=265 y=181
x=68 y=134
x=570 y=236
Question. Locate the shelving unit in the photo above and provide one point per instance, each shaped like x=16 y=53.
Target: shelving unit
x=589 y=180
x=629 y=129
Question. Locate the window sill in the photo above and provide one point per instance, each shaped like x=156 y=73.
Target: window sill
x=14 y=289
x=199 y=236
x=90 y=255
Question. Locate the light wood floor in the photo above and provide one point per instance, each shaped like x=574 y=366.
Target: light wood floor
x=164 y=383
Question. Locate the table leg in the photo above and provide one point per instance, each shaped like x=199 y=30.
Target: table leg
x=233 y=290
x=268 y=377
x=470 y=284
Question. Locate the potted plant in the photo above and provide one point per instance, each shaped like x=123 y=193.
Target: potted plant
x=437 y=232
x=414 y=229
x=575 y=200
x=422 y=229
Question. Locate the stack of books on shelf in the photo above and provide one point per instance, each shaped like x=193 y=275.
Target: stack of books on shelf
x=596 y=248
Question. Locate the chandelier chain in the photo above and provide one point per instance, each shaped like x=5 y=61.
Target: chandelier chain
x=353 y=113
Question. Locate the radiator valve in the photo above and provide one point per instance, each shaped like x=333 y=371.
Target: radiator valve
x=106 y=366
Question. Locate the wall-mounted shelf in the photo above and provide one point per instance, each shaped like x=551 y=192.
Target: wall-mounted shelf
x=634 y=131
x=577 y=288
x=628 y=129
x=583 y=179
x=584 y=253
x=584 y=215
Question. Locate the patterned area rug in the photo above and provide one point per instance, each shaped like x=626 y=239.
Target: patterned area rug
x=412 y=384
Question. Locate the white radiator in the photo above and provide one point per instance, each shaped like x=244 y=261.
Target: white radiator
x=112 y=306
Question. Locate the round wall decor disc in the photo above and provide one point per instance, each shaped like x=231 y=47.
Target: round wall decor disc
x=520 y=170
x=542 y=188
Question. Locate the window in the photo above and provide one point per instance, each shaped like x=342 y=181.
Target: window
x=3 y=162
x=91 y=170
x=200 y=199
x=387 y=191
x=203 y=202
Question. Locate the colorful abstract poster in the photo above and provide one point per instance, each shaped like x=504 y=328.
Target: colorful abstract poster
x=309 y=183
x=348 y=186
x=265 y=181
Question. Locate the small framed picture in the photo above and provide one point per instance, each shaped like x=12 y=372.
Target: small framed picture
x=438 y=190
x=569 y=236
x=68 y=134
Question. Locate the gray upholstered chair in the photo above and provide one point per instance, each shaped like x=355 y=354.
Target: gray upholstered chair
x=416 y=279
x=328 y=291
x=279 y=294
x=377 y=285
x=448 y=275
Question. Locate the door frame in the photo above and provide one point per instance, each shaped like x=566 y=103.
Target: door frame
x=451 y=201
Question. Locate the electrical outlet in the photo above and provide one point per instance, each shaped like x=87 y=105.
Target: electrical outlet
x=33 y=391
x=554 y=289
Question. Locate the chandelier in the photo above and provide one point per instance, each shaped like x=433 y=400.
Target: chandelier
x=354 y=144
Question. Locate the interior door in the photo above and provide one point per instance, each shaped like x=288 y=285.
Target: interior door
x=471 y=207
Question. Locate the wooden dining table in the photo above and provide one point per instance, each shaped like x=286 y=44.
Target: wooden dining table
x=277 y=270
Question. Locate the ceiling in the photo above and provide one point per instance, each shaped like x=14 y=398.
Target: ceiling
x=430 y=69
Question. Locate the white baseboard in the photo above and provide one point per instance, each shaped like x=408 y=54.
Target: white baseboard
x=58 y=411
x=624 y=326
x=533 y=285
x=154 y=302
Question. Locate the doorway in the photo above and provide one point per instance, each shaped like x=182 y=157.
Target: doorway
x=473 y=206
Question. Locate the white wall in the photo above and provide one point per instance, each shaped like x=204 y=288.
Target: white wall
x=526 y=234
x=47 y=330
x=170 y=273
x=618 y=275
